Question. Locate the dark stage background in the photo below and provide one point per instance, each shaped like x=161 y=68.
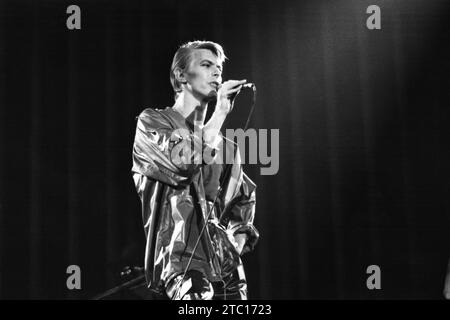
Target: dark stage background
x=364 y=155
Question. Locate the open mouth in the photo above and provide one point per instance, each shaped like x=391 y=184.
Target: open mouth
x=215 y=85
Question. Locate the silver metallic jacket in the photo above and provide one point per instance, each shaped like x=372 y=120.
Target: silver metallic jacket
x=176 y=199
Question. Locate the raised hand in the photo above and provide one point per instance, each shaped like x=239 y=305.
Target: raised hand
x=226 y=94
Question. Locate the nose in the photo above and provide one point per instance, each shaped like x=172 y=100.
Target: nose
x=216 y=72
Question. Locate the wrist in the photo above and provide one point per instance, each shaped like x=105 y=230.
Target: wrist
x=223 y=106
x=220 y=113
x=217 y=119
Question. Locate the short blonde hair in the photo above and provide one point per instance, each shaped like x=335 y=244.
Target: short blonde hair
x=183 y=57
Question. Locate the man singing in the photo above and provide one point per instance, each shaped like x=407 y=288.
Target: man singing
x=197 y=214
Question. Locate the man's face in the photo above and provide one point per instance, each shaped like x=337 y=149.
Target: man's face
x=204 y=74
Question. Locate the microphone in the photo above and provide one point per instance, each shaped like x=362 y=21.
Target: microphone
x=248 y=85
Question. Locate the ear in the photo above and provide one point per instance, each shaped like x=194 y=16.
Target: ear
x=180 y=76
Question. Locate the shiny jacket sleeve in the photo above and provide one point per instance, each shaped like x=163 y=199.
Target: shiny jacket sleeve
x=165 y=153
x=240 y=202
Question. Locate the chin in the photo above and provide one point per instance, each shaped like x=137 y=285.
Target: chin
x=211 y=95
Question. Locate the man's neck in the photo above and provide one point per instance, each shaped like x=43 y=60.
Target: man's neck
x=193 y=110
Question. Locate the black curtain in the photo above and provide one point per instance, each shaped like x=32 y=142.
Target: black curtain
x=363 y=151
